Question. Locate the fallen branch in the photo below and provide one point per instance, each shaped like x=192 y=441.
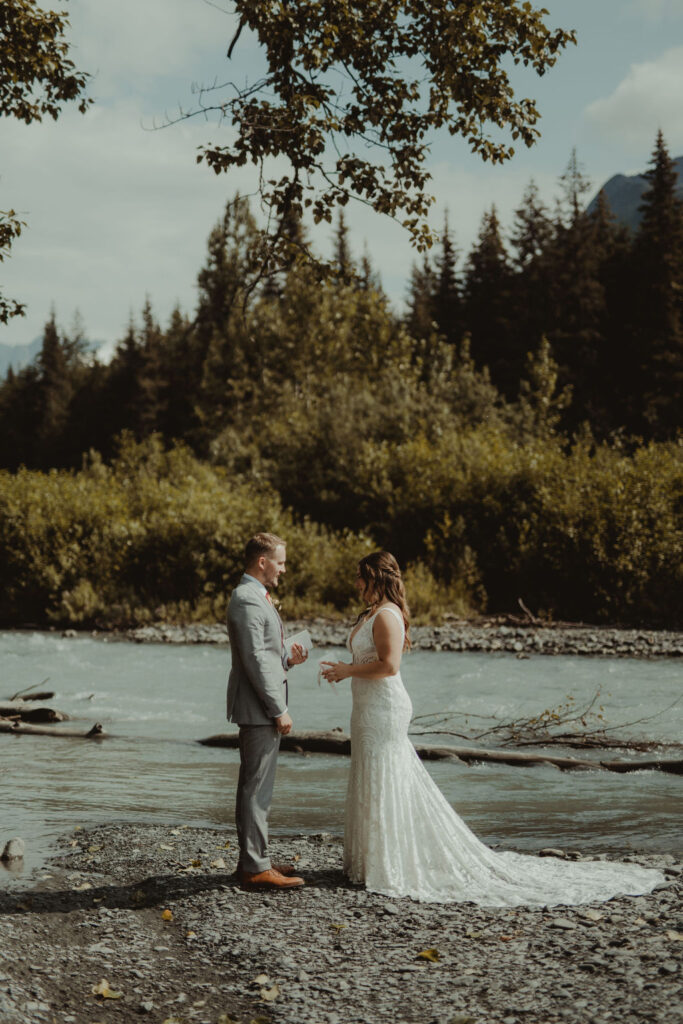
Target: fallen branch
x=337 y=742
x=29 y=688
x=97 y=732
x=541 y=729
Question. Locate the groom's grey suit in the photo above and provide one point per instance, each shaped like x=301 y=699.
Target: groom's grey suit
x=257 y=694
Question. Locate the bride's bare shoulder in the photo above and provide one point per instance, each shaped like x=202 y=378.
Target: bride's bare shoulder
x=389 y=607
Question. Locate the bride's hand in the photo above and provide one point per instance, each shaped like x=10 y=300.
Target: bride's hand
x=335 y=671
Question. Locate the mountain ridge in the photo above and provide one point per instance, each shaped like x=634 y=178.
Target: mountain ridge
x=624 y=193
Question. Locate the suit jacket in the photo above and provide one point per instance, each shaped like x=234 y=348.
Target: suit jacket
x=256 y=694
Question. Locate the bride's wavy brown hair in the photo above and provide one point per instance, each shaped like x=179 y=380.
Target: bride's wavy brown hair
x=382 y=578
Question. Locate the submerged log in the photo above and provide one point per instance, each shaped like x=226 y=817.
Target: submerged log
x=337 y=742
x=672 y=765
x=17 y=729
x=25 y=712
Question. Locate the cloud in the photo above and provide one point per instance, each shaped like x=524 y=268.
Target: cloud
x=114 y=213
x=648 y=98
x=127 y=43
x=656 y=10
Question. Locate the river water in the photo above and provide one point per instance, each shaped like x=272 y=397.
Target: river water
x=157 y=700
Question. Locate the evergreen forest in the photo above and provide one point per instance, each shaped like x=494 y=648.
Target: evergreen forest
x=515 y=434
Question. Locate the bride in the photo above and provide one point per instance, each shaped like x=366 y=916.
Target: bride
x=401 y=835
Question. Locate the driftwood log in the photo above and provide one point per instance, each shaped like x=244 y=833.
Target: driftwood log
x=43 y=695
x=338 y=742
x=26 y=712
x=17 y=729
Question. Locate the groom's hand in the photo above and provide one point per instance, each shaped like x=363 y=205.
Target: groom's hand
x=298 y=655
x=284 y=724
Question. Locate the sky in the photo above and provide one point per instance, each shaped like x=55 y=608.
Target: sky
x=117 y=209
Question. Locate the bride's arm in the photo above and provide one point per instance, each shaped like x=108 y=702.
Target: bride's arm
x=388 y=637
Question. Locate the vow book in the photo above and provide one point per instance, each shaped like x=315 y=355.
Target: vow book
x=303 y=638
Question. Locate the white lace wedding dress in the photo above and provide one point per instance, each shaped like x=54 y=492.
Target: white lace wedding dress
x=403 y=838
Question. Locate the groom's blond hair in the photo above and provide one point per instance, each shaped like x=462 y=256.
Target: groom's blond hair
x=261 y=544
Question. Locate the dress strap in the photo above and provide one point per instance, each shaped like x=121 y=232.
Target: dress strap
x=396 y=612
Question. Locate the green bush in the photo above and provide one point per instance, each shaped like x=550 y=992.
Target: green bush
x=480 y=519
x=157 y=535
x=586 y=534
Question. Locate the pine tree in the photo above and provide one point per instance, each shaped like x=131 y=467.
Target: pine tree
x=122 y=398
x=532 y=238
x=342 y=251
x=226 y=351
x=612 y=242
x=153 y=376
x=488 y=303
x=180 y=419
x=420 y=321
x=658 y=291
x=20 y=409
x=56 y=393
x=577 y=296
x=446 y=303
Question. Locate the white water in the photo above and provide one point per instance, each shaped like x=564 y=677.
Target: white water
x=155 y=701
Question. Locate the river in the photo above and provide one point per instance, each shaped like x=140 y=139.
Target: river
x=156 y=701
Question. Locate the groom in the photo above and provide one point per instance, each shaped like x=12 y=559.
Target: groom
x=257 y=702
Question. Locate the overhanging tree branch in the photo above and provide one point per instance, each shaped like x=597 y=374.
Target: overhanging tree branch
x=346 y=78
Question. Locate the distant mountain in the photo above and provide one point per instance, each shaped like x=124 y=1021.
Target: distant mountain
x=18 y=356
x=625 y=192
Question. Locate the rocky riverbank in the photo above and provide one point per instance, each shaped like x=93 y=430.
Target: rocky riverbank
x=143 y=922
x=516 y=636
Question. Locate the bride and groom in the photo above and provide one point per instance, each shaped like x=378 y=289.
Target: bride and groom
x=401 y=836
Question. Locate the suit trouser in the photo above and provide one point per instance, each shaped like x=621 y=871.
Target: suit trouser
x=259 y=746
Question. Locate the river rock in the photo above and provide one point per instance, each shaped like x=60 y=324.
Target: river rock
x=563 y=922
x=334 y=951
x=457 y=635
x=14 y=849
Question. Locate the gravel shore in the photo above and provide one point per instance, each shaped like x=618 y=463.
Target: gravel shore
x=490 y=635
x=153 y=918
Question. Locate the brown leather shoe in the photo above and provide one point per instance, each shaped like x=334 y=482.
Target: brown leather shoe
x=270 y=879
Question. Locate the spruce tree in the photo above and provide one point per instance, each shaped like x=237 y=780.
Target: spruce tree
x=532 y=240
x=342 y=251
x=577 y=296
x=153 y=379
x=180 y=419
x=657 y=365
x=612 y=242
x=487 y=301
x=420 y=320
x=446 y=302
x=56 y=392
x=226 y=351
x=122 y=398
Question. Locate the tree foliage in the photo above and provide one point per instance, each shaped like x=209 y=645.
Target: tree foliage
x=353 y=93
x=486 y=436
x=36 y=79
